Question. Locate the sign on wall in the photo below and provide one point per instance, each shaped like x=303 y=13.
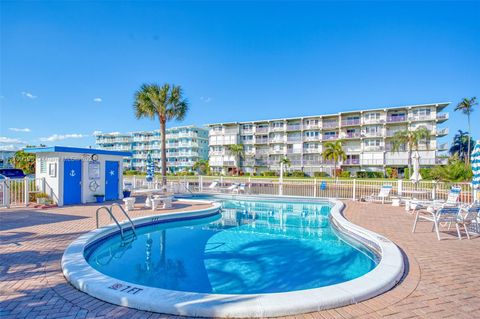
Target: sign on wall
x=94 y=170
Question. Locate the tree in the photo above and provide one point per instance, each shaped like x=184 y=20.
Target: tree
x=334 y=151
x=24 y=161
x=466 y=107
x=202 y=167
x=165 y=102
x=238 y=152
x=285 y=161
x=411 y=139
x=460 y=145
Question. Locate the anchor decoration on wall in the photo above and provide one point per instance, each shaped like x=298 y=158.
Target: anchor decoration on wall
x=73 y=173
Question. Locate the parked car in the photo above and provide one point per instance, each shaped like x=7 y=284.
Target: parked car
x=12 y=173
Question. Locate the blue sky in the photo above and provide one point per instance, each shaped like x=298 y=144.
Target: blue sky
x=71 y=68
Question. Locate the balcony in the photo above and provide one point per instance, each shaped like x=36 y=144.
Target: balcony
x=442 y=132
x=352 y=135
x=294 y=151
x=294 y=138
x=311 y=126
x=216 y=132
x=311 y=150
x=277 y=151
x=312 y=162
x=351 y=161
x=441 y=161
x=354 y=122
x=276 y=140
x=396 y=161
x=374 y=148
x=294 y=127
x=442 y=147
x=262 y=152
x=396 y=119
x=312 y=138
x=228 y=163
x=330 y=137
x=372 y=134
x=391 y=133
x=327 y=125
x=277 y=128
x=251 y=141
x=261 y=141
x=421 y=118
x=442 y=117
x=190 y=144
x=373 y=162
x=216 y=153
x=261 y=129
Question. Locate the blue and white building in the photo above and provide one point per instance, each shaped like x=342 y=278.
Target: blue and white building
x=5 y=157
x=185 y=145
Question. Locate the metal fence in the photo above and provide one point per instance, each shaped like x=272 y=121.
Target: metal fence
x=341 y=188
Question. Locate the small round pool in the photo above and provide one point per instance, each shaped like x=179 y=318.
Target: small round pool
x=243 y=256
x=250 y=247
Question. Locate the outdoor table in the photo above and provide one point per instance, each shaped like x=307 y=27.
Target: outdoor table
x=149 y=193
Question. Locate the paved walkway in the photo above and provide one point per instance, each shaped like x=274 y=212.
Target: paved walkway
x=443 y=278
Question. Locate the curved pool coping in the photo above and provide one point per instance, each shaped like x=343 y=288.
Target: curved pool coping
x=382 y=278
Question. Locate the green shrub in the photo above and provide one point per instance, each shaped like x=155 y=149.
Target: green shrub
x=361 y=174
x=320 y=174
x=133 y=172
x=296 y=174
x=391 y=172
x=185 y=173
x=345 y=174
x=369 y=174
x=269 y=173
x=455 y=171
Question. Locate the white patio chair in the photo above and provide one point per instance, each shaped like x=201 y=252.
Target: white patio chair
x=239 y=189
x=213 y=186
x=469 y=218
x=383 y=194
x=231 y=188
x=452 y=201
x=129 y=203
x=446 y=215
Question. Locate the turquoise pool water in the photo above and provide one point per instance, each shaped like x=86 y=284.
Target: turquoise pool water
x=251 y=247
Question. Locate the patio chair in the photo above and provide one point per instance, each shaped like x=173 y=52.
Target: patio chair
x=470 y=218
x=446 y=215
x=129 y=203
x=452 y=201
x=383 y=194
x=231 y=188
x=213 y=186
x=239 y=189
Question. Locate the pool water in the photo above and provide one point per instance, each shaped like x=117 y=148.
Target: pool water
x=251 y=247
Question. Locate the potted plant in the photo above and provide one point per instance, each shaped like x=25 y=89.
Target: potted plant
x=42 y=198
x=99 y=197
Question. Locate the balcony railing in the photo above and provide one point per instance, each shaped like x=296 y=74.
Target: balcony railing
x=294 y=139
x=352 y=161
x=372 y=162
x=442 y=116
x=330 y=137
x=395 y=119
x=442 y=147
x=421 y=118
x=294 y=127
x=351 y=122
x=312 y=138
x=277 y=128
x=374 y=148
x=311 y=126
x=276 y=140
x=330 y=124
x=261 y=129
x=294 y=151
x=352 y=135
x=312 y=162
x=261 y=141
x=443 y=131
x=311 y=150
x=372 y=134
x=277 y=151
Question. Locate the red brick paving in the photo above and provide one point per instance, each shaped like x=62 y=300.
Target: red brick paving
x=442 y=281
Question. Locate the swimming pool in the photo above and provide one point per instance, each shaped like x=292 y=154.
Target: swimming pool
x=250 y=247
x=244 y=257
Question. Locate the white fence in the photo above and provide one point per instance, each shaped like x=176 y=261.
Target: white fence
x=20 y=192
x=342 y=188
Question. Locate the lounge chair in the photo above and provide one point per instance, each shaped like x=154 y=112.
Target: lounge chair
x=452 y=201
x=383 y=194
x=470 y=217
x=213 y=186
x=447 y=215
x=231 y=188
x=239 y=189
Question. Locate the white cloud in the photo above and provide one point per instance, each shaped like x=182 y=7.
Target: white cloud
x=96 y=132
x=9 y=140
x=206 y=99
x=61 y=137
x=15 y=129
x=97 y=99
x=29 y=95
x=9 y=147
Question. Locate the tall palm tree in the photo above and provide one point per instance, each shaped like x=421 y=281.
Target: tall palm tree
x=202 y=166
x=411 y=139
x=238 y=152
x=466 y=106
x=165 y=102
x=460 y=145
x=334 y=151
x=285 y=161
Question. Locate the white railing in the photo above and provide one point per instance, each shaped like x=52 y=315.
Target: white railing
x=20 y=192
x=355 y=189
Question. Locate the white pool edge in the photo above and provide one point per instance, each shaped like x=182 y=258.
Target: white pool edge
x=382 y=278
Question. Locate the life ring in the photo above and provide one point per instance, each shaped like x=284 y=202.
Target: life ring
x=93 y=186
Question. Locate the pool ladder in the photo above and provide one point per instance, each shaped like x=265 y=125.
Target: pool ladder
x=112 y=217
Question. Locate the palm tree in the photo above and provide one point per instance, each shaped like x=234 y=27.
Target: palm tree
x=334 y=151
x=410 y=138
x=460 y=145
x=466 y=106
x=202 y=166
x=237 y=151
x=285 y=161
x=165 y=102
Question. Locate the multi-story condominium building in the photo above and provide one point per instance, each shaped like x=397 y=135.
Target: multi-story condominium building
x=366 y=138
x=184 y=145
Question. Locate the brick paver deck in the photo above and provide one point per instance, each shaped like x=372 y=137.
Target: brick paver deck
x=442 y=279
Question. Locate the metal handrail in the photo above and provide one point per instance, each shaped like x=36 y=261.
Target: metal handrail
x=111 y=216
x=125 y=213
